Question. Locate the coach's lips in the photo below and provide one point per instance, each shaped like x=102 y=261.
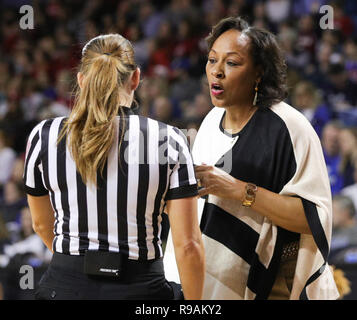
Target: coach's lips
x=216 y=89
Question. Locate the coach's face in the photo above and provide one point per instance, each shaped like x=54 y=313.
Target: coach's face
x=231 y=73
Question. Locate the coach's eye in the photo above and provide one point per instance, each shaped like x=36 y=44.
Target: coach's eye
x=232 y=64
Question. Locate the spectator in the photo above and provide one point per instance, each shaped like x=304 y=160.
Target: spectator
x=331 y=148
x=287 y=38
x=18 y=170
x=351 y=191
x=326 y=53
x=162 y=109
x=7 y=158
x=344 y=230
x=350 y=51
x=303 y=7
x=277 y=10
x=348 y=144
x=185 y=87
x=340 y=92
x=150 y=19
x=63 y=89
x=29 y=242
x=27 y=250
x=198 y=109
x=186 y=44
x=307 y=99
x=162 y=54
x=323 y=56
x=182 y=10
x=142 y=45
x=307 y=38
x=259 y=13
x=4 y=239
x=14 y=199
x=342 y=21
x=344 y=241
x=31 y=101
x=150 y=88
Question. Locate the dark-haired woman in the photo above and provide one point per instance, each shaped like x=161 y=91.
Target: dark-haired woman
x=267 y=220
x=98 y=182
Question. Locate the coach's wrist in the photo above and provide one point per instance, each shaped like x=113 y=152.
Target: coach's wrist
x=239 y=190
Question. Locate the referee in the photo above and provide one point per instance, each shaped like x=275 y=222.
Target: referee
x=97 y=185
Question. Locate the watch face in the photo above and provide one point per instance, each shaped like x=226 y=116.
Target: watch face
x=250 y=192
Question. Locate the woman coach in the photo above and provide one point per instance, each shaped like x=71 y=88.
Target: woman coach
x=97 y=185
x=267 y=221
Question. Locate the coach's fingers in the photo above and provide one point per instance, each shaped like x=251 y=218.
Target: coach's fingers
x=202 y=168
x=204 y=191
x=201 y=175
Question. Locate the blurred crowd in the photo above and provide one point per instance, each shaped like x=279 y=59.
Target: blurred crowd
x=38 y=67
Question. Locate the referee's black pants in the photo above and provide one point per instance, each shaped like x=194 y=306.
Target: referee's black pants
x=65 y=280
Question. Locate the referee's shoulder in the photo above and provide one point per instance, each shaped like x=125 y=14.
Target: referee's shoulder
x=49 y=121
x=161 y=124
x=172 y=131
x=43 y=126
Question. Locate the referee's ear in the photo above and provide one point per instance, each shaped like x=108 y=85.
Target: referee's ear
x=135 y=79
x=80 y=79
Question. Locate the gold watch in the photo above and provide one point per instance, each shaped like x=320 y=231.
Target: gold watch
x=250 y=192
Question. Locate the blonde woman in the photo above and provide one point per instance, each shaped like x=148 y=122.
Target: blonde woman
x=98 y=182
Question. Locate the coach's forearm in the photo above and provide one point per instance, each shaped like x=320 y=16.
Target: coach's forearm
x=285 y=211
x=191 y=266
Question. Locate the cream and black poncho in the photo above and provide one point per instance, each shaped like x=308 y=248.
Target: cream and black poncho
x=278 y=150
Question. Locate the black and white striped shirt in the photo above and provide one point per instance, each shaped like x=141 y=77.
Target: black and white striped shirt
x=123 y=213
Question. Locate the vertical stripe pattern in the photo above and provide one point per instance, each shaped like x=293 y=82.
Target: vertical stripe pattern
x=122 y=213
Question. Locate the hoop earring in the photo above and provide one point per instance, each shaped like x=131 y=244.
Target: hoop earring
x=255 y=96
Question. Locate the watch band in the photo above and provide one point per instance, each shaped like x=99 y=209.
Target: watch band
x=250 y=192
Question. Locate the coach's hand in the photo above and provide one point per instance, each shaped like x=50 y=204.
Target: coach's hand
x=218 y=182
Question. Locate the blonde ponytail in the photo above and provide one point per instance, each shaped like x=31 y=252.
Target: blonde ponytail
x=107 y=62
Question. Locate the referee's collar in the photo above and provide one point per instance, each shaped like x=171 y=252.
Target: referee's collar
x=127 y=111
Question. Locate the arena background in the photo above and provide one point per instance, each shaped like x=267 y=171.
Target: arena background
x=38 y=66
